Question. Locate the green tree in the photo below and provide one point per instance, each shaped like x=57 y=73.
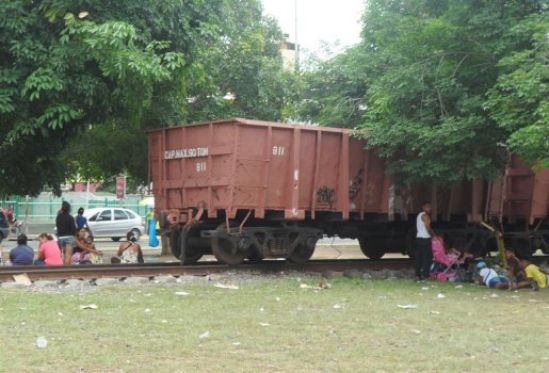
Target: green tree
x=519 y=102
x=233 y=68
x=435 y=63
x=241 y=72
x=443 y=84
x=334 y=91
x=71 y=68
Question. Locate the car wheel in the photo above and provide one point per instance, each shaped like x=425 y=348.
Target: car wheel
x=136 y=233
x=115 y=239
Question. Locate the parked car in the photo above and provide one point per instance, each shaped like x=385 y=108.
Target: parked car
x=114 y=222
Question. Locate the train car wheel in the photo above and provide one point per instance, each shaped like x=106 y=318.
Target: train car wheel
x=225 y=248
x=411 y=243
x=192 y=255
x=255 y=257
x=301 y=254
x=371 y=247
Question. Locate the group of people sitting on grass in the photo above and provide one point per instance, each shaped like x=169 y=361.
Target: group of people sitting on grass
x=520 y=274
x=450 y=264
x=435 y=260
x=74 y=246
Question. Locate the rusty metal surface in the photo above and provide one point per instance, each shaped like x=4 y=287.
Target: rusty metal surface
x=264 y=166
x=300 y=171
x=200 y=269
x=520 y=193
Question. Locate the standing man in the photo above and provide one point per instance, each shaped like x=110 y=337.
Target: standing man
x=66 y=230
x=424 y=255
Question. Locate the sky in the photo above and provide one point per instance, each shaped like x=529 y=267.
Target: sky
x=331 y=21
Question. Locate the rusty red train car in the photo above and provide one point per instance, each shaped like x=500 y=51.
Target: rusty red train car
x=245 y=189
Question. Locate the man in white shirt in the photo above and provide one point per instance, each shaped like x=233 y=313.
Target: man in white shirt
x=424 y=255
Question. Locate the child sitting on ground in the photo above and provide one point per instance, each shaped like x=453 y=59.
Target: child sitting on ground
x=85 y=251
x=534 y=274
x=515 y=272
x=490 y=277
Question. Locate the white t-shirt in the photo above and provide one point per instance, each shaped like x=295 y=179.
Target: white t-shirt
x=129 y=256
x=487 y=274
x=421 y=228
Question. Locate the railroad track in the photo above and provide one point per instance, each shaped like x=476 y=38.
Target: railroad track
x=199 y=269
x=206 y=268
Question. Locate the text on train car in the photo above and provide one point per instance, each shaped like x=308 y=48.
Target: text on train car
x=185 y=153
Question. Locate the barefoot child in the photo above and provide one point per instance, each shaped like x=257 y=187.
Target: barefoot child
x=534 y=274
x=515 y=272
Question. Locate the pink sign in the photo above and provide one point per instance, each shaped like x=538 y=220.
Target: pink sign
x=120 y=187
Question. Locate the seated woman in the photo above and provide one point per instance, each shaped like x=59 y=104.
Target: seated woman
x=129 y=252
x=85 y=251
x=48 y=251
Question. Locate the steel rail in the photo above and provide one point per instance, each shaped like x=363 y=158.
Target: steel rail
x=199 y=269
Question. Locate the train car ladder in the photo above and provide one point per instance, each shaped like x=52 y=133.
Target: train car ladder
x=495 y=199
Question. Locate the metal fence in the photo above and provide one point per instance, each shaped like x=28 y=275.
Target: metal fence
x=42 y=210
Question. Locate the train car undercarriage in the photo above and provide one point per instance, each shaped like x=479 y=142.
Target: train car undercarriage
x=232 y=241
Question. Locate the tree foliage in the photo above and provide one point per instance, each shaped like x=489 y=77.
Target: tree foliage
x=232 y=68
x=241 y=72
x=439 y=87
x=444 y=84
x=82 y=80
x=67 y=66
x=335 y=90
x=519 y=102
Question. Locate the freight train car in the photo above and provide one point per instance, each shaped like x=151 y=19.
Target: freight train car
x=243 y=189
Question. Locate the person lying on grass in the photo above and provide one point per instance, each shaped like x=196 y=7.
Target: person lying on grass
x=515 y=272
x=534 y=274
x=489 y=277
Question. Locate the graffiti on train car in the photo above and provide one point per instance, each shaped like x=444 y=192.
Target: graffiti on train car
x=356 y=185
x=325 y=195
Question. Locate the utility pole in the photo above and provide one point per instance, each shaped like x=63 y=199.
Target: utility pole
x=296 y=40
x=87 y=194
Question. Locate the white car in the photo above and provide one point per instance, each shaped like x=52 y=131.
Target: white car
x=115 y=223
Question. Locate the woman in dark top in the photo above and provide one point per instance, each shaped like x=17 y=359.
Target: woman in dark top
x=66 y=230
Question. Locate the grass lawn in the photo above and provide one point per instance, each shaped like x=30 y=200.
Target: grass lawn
x=275 y=325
